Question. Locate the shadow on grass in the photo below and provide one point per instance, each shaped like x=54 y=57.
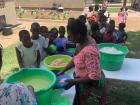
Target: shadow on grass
x=133 y=44
x=123 y=93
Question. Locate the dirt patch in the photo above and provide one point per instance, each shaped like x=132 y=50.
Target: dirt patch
x=133 y=24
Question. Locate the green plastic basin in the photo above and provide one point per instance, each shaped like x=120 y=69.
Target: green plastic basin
x=49 y=59
x=41 y=94
x=112 y=62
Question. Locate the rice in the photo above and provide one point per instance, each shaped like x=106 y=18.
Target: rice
x=111 y=50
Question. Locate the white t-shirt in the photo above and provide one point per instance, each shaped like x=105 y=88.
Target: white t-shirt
x=103 y=30
x=43 y=43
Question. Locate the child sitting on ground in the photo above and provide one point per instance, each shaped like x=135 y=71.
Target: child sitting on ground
x=95 y=33
x=28 y=52
x=36 y=37
x=109 y=36
x=122 y=35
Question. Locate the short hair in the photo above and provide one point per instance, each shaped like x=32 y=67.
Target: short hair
x=112 y=22
x=82 y=18
x=95 y=26
x=96 y=7
x=23 y=33
x=90 y=7
x=77 y=27
x=122 y=25
x=62 y=27
x=35 y=27
x=70 y=20
x=42 y=28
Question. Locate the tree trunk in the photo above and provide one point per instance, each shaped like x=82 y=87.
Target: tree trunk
x=124 y=3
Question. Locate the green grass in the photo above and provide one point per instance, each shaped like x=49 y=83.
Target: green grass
x=133 y=44
x=118 y=92
x=113 y=9
x=9 y=60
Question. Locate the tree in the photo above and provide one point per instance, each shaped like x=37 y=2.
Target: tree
x=124 y=3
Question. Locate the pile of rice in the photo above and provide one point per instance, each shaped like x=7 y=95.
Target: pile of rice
x=111 y=50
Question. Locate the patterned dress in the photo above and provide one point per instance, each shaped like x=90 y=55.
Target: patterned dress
x=16 y=94
x=87 y=66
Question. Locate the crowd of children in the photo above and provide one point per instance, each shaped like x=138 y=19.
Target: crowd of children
x=102 y=28
x=36 y=47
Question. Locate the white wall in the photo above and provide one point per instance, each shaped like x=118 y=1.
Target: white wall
x=48 y=3
x=9 y=12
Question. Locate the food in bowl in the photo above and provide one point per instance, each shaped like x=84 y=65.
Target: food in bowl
x=110 y=50
x=38 y=82
x=58 y=62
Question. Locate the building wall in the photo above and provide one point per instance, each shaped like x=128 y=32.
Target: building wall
x=9 y=12
x=48 y=3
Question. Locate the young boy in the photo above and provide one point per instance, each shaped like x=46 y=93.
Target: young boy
x=82 y=18
x=27 y=52
x=61 y=41
x=95 y=33
x=122 y=35
x=55 y=32
x=44 y=31
x=103 y=23
x=36 y=37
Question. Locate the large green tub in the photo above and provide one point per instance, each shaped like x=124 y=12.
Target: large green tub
x=112 y=62
x=41 y=94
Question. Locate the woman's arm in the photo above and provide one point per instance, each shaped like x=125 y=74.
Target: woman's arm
x=19 y=58
x=66 y=68
x=81 y=80
x=38 y=59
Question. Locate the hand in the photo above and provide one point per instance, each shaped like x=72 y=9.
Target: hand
x=70 y=83
x=60 y=73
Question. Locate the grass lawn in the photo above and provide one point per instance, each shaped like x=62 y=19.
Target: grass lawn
x=113 y=9
x=119 y=92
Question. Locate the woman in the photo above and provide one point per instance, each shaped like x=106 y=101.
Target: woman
x=89 y=78
x=121 y=16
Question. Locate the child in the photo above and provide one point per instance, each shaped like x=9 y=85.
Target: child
x=121 y=16
x=82 y=18
x=95 y=33
x=103 y=23
x=125 y=14
x=109 y=36
x=70 y=20
x=122 y=35
x=28 y=52
x=55 y=32
x=51 y=47
x=61 y=41
x=44 y=31
x=36 y=37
